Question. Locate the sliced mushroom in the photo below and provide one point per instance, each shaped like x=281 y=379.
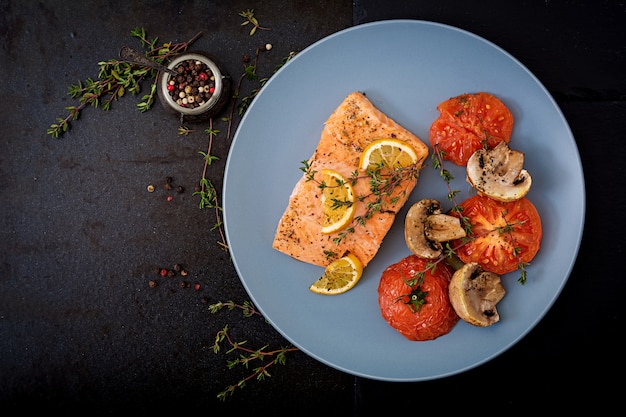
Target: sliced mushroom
x=425 y=228
x=474 y=294
x=498 y=173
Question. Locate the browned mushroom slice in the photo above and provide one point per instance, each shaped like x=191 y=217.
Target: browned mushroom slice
x=425 y=228
x=474 y=294
x=498 y=173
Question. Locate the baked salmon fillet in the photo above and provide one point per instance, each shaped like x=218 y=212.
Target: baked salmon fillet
x=354 y=124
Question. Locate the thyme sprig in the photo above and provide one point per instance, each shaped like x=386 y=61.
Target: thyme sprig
x=116 y=78
x=251 y=20
x=416 y=298
x=384 y=190
x=247 y=308
x=249 y=74
x=437 y=163
x=246 y=357
x=206 y=190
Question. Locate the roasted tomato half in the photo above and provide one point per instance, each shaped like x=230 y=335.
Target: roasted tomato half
x=469 y=122
x=417 y=305
x=503 y=234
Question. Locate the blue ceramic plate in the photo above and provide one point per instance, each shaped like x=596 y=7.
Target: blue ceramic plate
x=406 y=68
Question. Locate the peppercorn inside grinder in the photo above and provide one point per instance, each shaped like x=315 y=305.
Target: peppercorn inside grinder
x=198 y=91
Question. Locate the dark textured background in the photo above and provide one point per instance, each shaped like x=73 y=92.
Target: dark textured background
x=81 y=330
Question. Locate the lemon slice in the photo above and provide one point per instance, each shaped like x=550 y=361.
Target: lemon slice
x=340 y=276
x=387 y=152
x=337 y=202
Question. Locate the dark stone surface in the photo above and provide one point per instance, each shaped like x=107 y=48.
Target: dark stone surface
x=82 y=331
x=81 y=236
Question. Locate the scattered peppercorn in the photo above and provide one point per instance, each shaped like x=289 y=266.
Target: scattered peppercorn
x=150 y=188
x=171 y=273
x=177 y=267
x=163 y=272
x=170 y=198
x=196 y=286
x=183 y=273
x=152 y=283
x=180 y=189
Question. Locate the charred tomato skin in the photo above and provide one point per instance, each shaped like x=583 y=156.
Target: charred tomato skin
x=435 y=318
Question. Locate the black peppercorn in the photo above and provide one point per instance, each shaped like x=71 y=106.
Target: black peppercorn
x=184 y=88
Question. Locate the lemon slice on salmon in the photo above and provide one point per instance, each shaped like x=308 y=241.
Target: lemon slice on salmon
x=337 y=202
x=387 y=152
x=339 y=276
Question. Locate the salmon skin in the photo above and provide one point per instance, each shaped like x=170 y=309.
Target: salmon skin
x=354 y=124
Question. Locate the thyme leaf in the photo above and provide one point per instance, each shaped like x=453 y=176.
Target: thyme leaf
x=246 y=356
x=251 y=20
x=115 y=79
x=384 y=191
x=416 y=298
x=508 y=228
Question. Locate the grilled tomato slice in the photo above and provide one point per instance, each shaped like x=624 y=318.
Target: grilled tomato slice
x=503 y=234
x=469 y=122
x=414 y=300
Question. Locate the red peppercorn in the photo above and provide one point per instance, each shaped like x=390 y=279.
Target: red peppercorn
x=191 y=75
x=170 y=87
x=197 y=286
x=163 y=272
x=212 y=90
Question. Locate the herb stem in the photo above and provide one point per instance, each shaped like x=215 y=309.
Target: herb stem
x=207 y=191
x=115 y=78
